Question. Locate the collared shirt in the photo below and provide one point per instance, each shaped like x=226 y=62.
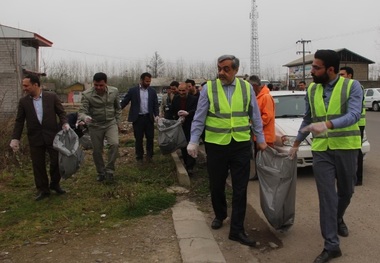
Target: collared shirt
x=352 y=116
x=37 y=103
x=144 y=100
x=203 y=106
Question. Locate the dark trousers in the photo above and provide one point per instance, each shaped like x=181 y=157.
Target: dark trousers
x=334 y=172
x=143 y=126
x=234 y=157
x=359 y=172
x=38 y=156
x=187 y=159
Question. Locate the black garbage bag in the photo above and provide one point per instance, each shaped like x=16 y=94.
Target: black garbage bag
x=278 y=177
x=170 y=135
x=70 y=155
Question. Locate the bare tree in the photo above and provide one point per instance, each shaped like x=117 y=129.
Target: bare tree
x=156 y=65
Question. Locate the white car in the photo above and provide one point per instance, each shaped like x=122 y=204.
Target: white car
x=372 y=99
x=290 y=109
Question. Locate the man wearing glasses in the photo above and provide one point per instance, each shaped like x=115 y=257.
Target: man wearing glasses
x=333 y=109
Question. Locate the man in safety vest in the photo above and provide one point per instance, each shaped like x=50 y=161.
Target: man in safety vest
x=348 y=72
x=225 y=108
x=333 y=109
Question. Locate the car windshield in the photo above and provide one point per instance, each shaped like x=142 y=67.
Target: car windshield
x=289 y=106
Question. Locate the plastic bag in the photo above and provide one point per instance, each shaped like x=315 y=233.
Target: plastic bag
x=70 y=154
x=170 y=135
x=278 y=177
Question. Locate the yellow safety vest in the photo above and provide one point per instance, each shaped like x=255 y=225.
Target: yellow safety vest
x=225 y=121
x=362 y=121
x=347 y=138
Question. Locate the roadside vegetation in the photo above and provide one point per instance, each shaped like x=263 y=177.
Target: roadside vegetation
x=89 y=205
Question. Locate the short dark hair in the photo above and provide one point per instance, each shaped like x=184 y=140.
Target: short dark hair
x=174 y=83
x=144 y=75
x=34 y=79
x=192 y=82
x=270 y=86
x=235 y=60
x=100 y=76
x=329 y=57
x=349 y=70
x=302 y=82
x=255 y=79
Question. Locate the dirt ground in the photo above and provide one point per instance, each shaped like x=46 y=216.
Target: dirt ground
x=148 y=239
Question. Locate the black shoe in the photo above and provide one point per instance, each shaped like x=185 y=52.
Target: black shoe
x=242 y=238
x=58 y=189
x=342 y=228
x=100 y=177
x=326 y=255
x=216 y=223
x=42 y=195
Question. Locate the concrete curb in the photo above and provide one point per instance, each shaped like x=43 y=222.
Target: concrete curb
x=183 y=177
x=196 y=242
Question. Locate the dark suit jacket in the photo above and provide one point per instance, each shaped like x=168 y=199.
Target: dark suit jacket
x=39 y=133
x=191 y=106
x=133 y=96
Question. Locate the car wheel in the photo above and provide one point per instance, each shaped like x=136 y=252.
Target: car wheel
x=376 y=106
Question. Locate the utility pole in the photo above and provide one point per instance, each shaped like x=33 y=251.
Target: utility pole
x=303 y=55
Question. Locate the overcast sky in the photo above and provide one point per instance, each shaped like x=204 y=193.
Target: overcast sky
x=196 y=30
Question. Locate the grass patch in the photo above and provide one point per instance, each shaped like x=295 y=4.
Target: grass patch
x=88 y=205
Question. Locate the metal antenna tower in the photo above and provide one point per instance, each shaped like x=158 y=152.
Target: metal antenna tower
x=255 y=58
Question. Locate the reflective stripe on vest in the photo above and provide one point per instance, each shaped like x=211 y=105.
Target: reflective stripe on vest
x=225 y=121
x=362 y=121
x=340 y=138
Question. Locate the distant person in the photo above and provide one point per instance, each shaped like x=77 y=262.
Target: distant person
x=40 y=110
x=270 y=86
x=142 y=113
x=333 y=107
x=348 y=72
x=165 y=109
x=192 y=88
x=184 y=105
x=226 y=108
x=267 y=110
x=302 y=85
x=101 y=111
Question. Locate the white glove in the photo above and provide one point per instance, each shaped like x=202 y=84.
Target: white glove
x=87 y=119
x=316 y=128
x=182 y=113
x=65 y=127
x=192 y=149
x=292 y=153
x=15 y=145
x=156 y=118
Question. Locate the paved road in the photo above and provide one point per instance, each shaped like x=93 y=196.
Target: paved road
x=304 y=242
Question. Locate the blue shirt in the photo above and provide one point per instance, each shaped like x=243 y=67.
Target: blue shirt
x=198 y=123
x=143 y=100
x=37 y=103
x=354 y=109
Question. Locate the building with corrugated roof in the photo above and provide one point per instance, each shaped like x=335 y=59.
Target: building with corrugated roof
x=358 y=63
x=19 y=55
